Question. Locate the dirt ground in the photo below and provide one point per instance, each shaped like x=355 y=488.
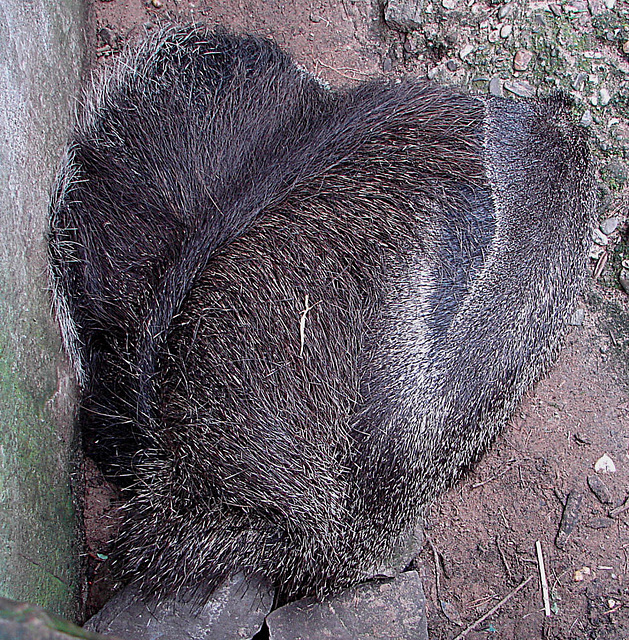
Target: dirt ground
x=481 y=537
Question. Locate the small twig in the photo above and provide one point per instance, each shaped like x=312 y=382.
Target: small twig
x=340 y=71
x=600 y=265
x=495 y=477
x=504 y=559
x=542 y=578
x=618 y=510
x=435 y=555
x=493 y=610
x=613 y=609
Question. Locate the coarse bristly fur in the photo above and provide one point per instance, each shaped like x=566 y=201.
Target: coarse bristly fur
x=299 y=314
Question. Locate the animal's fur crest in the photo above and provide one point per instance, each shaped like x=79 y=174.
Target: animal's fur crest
x=299 y=314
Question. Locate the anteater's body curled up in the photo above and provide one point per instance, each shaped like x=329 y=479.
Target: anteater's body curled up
x=298 y=314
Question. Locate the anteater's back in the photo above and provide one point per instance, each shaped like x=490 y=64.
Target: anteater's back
x=298 y=314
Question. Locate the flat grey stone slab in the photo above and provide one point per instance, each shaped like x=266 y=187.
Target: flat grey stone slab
x=386 y=610
x=23 y=621
x=235 y=611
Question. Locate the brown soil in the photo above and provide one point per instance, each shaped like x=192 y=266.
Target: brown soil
x=483 y=534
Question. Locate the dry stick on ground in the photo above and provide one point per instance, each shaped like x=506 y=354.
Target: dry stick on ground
x=498 y=475
x=600 y=265
x=504 y=559
x=542 y=577
x=493 y=610
x=618 y=510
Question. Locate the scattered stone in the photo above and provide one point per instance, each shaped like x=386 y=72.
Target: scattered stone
x=579 y=574
x=465 y=51
x=625 y=47
x=569 y=518
x=23 y=621
x=387 y=65
x=404 y=15
x=576 y=319
x=504 y=11
x=600 y=523
x=586 y=118
x=448 y=4
x=157 y=4
x=506 y=30
x=600 y=490
x=594 y=100
x=372 y=611
x=107 y=37
x=609 y=225
x=495 y=87
x=596 y=7
x=522 y=89
x=522 y=60
x=599 y=237
x=493 y=36
x=452 y=65
x=433 y=73
x=623 y=278
x=236 y=610
x=579 y=82
x=604 y=465
x=596 y=251
x=610 y=4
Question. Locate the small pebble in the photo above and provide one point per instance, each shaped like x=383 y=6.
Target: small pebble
x=586 y=118
x=596 y=251
x=579 y=81
x=609 y=225
x=604 y=96
x=522 y=89
x=495 y=87
x=387 y=65
x=157 y=4
x=448 y=4
x=465 y=51
x=504 y=11
x=505 y=30
x=579 y=574
x=599 y=237
x=610 y=4
x=452 y=65
x=600 y=490
x=522 y=60
x=106 y=36
x=623 y=278
x=625 y=47
x=604 y=465
x=576 y=320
